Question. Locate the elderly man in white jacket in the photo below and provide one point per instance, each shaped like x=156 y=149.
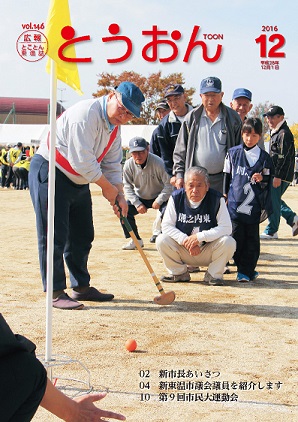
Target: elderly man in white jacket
x=196 y=230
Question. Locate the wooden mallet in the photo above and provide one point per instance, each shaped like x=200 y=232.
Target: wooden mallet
x=164 y=298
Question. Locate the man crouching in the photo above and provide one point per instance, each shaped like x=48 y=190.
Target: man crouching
x=196 y=230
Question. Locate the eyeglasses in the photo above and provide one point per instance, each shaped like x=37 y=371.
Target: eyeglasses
x=123 y=110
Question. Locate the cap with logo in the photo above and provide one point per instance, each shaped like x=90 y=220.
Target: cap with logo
x=137 y=144
x=210 y=84
x=162 y=104
x=242 y=92
x=173 y=89
x=131 y=97
x=274 y=110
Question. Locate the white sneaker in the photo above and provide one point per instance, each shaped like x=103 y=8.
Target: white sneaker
x=295 y=226
x=130 y=246
x=269 y=236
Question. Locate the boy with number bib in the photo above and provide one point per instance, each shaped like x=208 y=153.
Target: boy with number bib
x=247 y=174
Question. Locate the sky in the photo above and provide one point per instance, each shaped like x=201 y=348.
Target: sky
x=236 y=24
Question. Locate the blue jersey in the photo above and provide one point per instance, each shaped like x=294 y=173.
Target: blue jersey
x=247 y=199
x=201 y=218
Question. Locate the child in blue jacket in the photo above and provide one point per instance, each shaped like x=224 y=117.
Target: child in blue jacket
x=247 y=175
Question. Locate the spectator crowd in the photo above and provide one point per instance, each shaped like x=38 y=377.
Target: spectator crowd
x=15 y=166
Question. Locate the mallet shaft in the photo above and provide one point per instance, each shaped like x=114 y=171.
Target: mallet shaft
x=145 y=259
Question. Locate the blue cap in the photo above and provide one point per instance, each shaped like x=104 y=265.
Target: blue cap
x=210 y=84
x=137 y=144
x=131 y=97
x=242 y=92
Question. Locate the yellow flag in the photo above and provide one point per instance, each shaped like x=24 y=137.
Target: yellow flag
x=58 y=18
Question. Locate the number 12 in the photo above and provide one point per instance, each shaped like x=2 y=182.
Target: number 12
x=280 y=42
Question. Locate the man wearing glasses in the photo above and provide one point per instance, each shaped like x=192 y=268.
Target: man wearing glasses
x=88 y=150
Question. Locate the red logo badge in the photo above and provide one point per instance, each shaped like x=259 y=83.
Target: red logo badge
x=32 y=45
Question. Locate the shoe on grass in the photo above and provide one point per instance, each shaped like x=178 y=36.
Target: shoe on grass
x=269 y=236
x=63 y=301
x=176 y=278
x=130 y=246
x=295 y=226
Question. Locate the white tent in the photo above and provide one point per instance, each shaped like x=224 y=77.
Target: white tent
x=34 y=134
x=27 y=134
x=130 y=131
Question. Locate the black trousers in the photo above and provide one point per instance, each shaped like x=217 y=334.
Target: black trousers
x=7 y=176
x=247 y=251
x=22 y=386
x=132 y=212
x=17 y=178
x=21 y=178
x=4 y=171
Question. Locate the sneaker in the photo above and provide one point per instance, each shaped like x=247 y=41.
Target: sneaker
x=153 y=238
x=270 y=236
x=255 y=276
x=216 y=282
x=63 y=301
x=191 y=269
x=242 y=278
x=176 y=278
x=295 y=226
x=92 y=295
x=213 y=281
x=130 y=246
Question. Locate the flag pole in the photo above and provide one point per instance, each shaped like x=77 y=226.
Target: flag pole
x=58 y=18
x=51 y=211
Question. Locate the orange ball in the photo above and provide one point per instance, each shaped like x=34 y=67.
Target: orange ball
x=131 y=345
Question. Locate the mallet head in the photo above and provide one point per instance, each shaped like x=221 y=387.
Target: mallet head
x=165 y=299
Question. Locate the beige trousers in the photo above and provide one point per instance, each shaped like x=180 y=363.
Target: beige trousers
x=214 y=255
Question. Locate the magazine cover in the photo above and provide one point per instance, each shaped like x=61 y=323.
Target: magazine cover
x=163 y=347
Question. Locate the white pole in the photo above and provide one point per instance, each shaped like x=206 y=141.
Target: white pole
x=51 y=211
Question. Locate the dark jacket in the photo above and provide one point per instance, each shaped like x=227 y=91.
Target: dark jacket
x=186 y=141
x=282 y=153
x=10 y=342
x=164 y=138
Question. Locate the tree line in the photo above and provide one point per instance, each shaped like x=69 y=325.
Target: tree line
x=153 y=86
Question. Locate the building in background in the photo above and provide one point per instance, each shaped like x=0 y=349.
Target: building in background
x=14 y=110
